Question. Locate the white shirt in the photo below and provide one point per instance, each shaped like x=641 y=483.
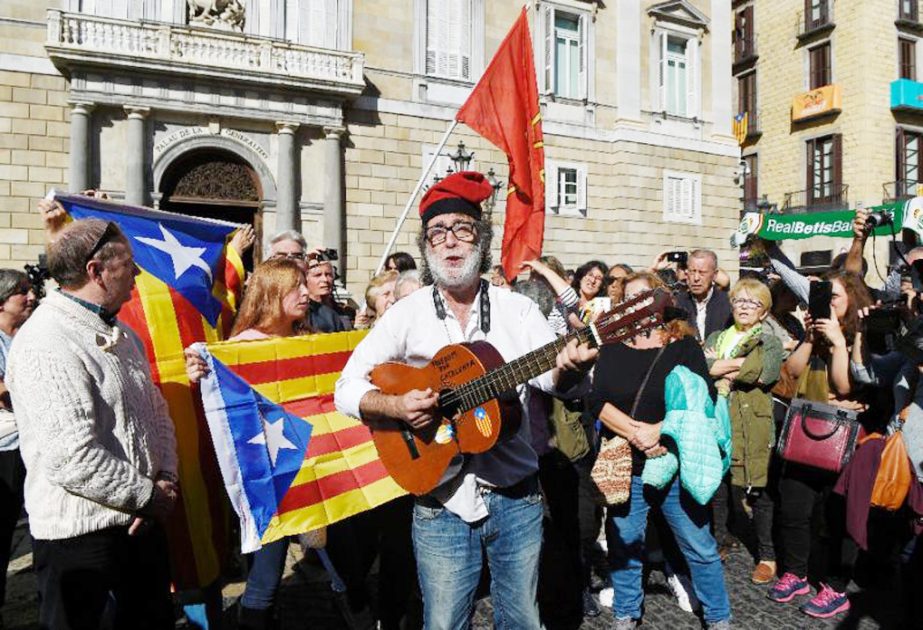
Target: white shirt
x=412 y=333
x=701 y=311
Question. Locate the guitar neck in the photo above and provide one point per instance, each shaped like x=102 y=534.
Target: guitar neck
x=512 y=374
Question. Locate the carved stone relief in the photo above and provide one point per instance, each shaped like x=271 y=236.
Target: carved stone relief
x=217 y=179
x=226 y=15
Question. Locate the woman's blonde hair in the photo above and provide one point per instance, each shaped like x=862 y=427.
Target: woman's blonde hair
x=673 y=330
x=270 y=282
x=755 y=289
x=374 y=289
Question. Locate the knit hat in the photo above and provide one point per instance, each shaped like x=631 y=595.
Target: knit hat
x=459 y=192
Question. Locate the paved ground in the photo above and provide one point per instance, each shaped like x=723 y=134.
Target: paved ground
x=308 y=602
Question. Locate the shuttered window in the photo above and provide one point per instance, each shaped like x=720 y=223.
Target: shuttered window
x=820 y=73
x=751 y=177
x=566 y=188
x=682 y=197
x=816 y=14
x=448 y=39
x=746 y=96
x=744 y=34
x=907 y=57
x=908 y=10
x=824 y=169
x=311 y=22
x=563 y=57
x=907 y=159
x=677 y=74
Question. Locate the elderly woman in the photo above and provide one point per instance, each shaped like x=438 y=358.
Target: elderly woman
x=745 y=360
x=379 y=296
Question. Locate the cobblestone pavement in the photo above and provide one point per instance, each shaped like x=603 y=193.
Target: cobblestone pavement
x=306 y=601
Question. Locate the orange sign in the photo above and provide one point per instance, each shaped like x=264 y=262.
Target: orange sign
x=823 y=100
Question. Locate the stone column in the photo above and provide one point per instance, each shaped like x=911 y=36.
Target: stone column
x=135 y=186
x=287 y=209
x=80 y=146
x=333 y=192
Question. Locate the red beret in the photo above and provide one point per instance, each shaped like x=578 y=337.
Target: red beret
x=459 y=192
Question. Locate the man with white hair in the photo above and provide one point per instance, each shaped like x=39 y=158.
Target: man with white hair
x=489 y=502
x=707 y=307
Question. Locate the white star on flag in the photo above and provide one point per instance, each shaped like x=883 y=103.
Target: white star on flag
x=273 y=436
x=183 y=257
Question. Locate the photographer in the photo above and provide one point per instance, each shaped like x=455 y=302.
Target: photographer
x=891 y=291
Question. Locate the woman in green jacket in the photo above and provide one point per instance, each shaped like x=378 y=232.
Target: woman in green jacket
x=745 y=361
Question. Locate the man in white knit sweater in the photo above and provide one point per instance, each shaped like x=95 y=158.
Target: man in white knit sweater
x=96 y=439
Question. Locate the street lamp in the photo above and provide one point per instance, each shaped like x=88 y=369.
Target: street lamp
x=461 y=158
x=496 y=184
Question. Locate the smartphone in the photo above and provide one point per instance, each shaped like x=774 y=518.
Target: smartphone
x=681 y=258
x=819 y=299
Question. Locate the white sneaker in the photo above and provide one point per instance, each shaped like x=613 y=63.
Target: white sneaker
x=682 y=597
x=606 y=596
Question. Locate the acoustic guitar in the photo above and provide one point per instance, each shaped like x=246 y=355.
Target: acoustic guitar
x=478 y=401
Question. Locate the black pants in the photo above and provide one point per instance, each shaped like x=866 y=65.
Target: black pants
x=12 y=478
x=353 y=544
x=77 y=576
x=730 y=499
x=560 y=583
x=812 y=524
x=590 y=519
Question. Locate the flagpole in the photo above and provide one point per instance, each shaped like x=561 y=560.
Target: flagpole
x=413 y=196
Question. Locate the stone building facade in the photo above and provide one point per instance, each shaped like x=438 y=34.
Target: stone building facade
x=321 y=115
x=831 y=95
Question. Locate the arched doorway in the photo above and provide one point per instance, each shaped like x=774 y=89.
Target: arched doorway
x=216 y=184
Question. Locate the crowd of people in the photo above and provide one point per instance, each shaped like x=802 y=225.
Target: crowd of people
x=691 y=423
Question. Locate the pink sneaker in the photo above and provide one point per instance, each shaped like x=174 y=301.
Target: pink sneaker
x=827 y=603
x=788 y=587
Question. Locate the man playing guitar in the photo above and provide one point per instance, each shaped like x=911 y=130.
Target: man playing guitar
x=486 y=501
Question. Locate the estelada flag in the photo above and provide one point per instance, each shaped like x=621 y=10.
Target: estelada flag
x=504 y=108
x=740 y=127
x=187 y=292
x=291 y=462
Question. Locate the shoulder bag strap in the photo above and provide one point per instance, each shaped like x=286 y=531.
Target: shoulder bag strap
x=634 y=406
x=912 y=384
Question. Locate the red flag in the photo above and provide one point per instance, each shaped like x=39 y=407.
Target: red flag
x=503 y=107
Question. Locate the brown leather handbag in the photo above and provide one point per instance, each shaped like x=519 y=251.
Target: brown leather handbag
x=895 y=474
x=818 y=435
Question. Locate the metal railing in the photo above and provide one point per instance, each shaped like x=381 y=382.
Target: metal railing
x=899 y=190
x=71 y=35
x=744 y=49
x=802 y=201
x=806 y=24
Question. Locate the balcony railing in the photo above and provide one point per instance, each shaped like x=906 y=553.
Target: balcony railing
x=802 y=201
x=745 y=49
x=899 y=190
x=810 y=24
x=178 y=49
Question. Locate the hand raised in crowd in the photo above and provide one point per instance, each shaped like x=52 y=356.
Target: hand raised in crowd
x=859 y=230
x=831 y=329
x=196 y=367
x=243 y=239
x=53 y=216
x=661 y=262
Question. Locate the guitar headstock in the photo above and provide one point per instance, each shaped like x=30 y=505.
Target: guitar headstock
x=632 y=317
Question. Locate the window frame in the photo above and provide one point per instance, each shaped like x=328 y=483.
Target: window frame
x=900 y=161
x=819 y=76
x=910 y=16
x=907 y=58
x=692 y=181
x=545 y=45
x=465 y=40
x=553 y=205
x=660 y=41
x=810 y=24
x=835 y=169
x=751 y=189
x=744 y=35
x=747 y=98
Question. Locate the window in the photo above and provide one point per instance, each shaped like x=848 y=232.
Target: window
x=744 y=34
x=682 y=197
x=751 y=173
x=448 y=39
x=820 y=74
x=311 y=22
x=907 y=55
x=816 y=14
x=908 y=10
x=563 y=57
x=746 y=99
x=907 y=161
x=677 y=76
x=824 y=176
x=565 y=190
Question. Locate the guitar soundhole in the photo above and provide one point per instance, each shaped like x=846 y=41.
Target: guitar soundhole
x=448 y=408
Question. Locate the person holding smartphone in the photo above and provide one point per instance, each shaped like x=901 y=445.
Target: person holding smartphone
x=811 y=517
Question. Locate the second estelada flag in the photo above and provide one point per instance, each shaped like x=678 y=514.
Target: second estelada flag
x=504 y=108
x=291 y=463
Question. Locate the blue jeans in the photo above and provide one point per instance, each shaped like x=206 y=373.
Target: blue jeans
x=266 y=567
x=449 y=550
x=690 y=524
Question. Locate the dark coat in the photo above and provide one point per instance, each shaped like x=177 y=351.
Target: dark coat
x=718 y=314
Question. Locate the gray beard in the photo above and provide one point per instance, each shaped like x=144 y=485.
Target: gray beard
x=454 y=278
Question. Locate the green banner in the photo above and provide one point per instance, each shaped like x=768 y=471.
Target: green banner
x=778 y=227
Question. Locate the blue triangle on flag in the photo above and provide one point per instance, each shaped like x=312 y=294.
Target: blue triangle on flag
x=184 y=252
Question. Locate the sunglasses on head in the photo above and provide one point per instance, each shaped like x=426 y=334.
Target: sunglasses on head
x=112 y=231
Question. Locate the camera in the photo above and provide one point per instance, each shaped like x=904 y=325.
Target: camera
x=681 y=258
x=38 y=274
x=882 y=329
x=878 y=219
x=325 y=255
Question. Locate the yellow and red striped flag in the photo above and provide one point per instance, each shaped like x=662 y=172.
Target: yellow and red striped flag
x=740 y=127
x=291 y=463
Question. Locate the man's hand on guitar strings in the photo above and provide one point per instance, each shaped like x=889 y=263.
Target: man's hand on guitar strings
x=417 y=407
x=576 y=358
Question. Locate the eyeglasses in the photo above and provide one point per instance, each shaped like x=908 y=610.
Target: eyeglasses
x=289 y=256
x=746 y=303
x=112 y=231
x=594 y=277
x=464 y=231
